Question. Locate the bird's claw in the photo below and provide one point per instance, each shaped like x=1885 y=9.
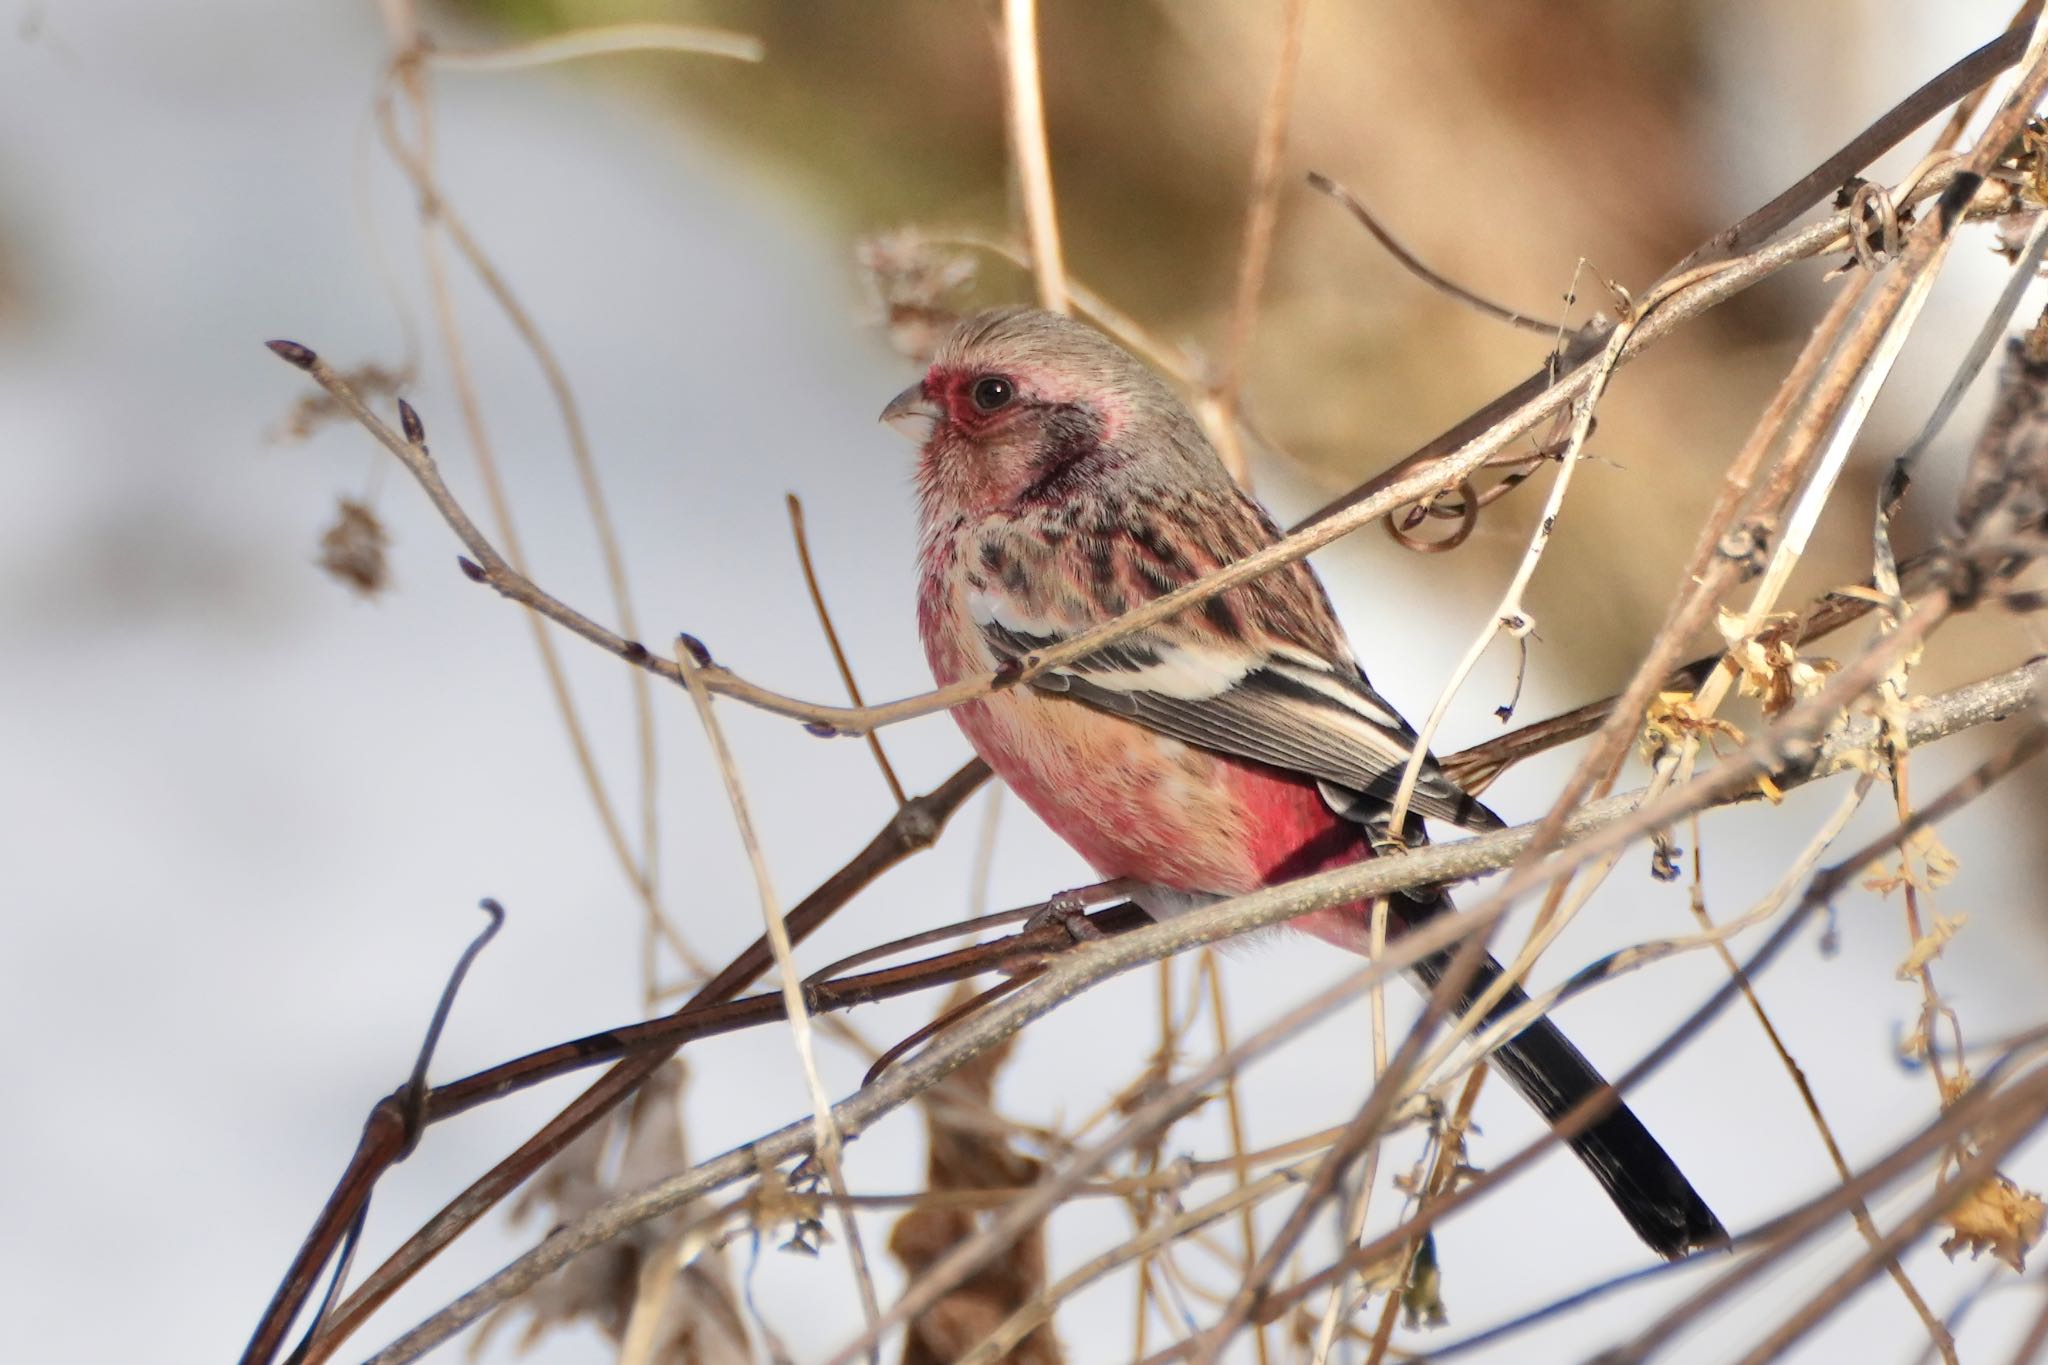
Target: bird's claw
x=1069 y=911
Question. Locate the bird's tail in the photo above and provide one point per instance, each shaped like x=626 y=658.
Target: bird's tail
x=1638 y=1175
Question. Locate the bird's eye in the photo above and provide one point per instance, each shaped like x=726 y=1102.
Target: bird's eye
x=992 y=391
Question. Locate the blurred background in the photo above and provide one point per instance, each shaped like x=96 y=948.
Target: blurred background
x=246 y=811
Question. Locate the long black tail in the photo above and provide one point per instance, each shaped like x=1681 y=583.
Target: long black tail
x=1638 y=1175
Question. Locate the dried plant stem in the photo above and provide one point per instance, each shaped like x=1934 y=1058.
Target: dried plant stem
x=1843 y=395
x=1241 y=1200
x=1611 y=821
x=1147 y=1118
x=1692 y=299
x=1208 y=967
x=602 y=40
x=1785 y=1232
x=1262 y=214
x=436 y=217
x=1933 y=1009
x=1026 y=110
x=913 y=828
x=1442 y=1171
x=817 y=592
x=1510 y=615
x=1369 y=1173
x=828 y=1142
x=1802 y=866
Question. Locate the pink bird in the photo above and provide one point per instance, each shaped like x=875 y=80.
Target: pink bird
x=1231 y=748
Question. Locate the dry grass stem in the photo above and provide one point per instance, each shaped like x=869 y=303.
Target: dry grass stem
x=828 y=1143
x=1026 y=108
x=601 y=41
x=1262 y=213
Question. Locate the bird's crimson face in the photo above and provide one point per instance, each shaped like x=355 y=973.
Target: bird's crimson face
x=960 y=404
x=977 y=405
x=989 y=432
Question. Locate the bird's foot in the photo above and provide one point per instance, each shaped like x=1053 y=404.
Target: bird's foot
x=1069 y=911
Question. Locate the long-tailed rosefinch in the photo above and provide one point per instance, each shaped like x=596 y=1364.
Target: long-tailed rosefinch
x=1230 y=748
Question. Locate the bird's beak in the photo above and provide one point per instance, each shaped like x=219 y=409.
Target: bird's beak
x=913 y=414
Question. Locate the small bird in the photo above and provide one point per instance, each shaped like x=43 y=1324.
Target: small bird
x=1230 y=748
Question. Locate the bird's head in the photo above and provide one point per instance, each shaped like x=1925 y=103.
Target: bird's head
x=1022 y=407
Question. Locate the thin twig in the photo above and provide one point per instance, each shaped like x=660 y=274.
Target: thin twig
x=1262 y=213
x=803 y=555
x=1937 y=1335
x=1511 y=616
x=1414 y=266
x=1969 y=74
x=437 y=217
x=913 y=828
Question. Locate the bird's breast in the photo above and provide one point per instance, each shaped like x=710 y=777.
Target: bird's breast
x=1132 y=802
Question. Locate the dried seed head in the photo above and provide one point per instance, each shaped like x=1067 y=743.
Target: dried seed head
x=352 y=549
x=1999 y=1217
x=915 y=283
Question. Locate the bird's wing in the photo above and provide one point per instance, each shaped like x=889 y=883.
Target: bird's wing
x=1277 y=703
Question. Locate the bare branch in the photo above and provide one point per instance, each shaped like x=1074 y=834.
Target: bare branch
x=1593 y=828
